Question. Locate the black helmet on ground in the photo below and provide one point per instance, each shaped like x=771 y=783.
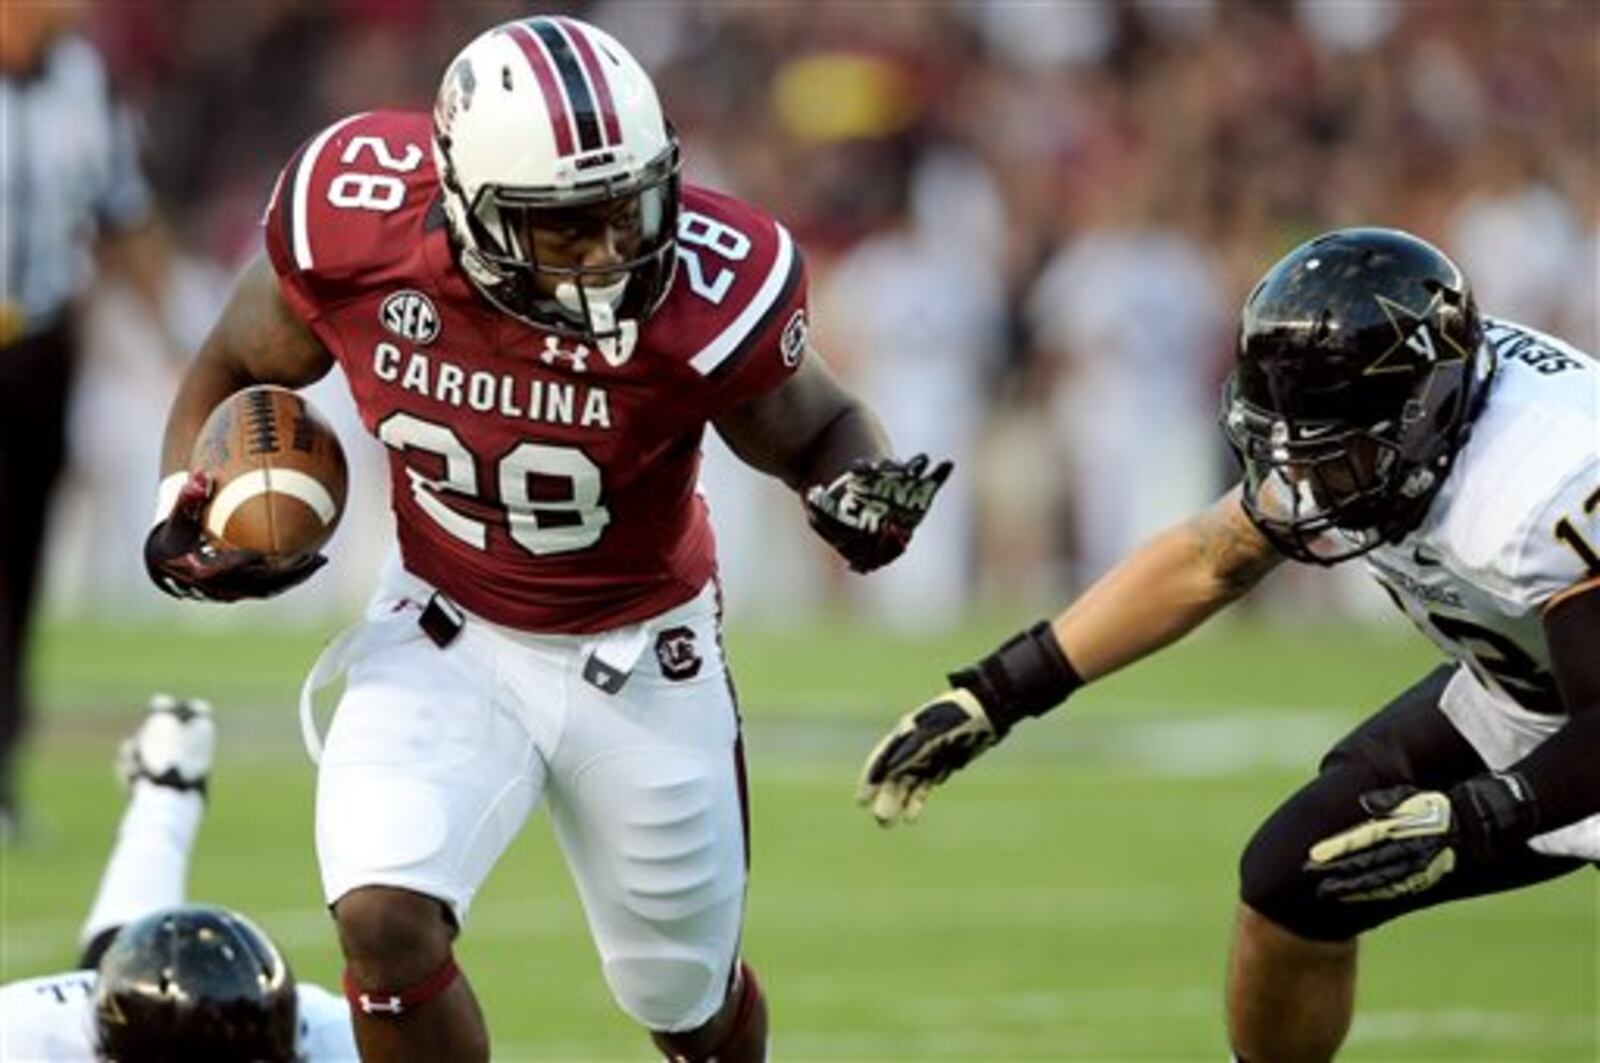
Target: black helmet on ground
x=195 y=983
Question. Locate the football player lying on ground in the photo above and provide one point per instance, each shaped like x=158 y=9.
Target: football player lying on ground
x=1375 y=415
x=160 y=980
x=539 y=322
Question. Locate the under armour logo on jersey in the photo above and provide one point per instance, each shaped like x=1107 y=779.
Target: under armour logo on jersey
x=577 y=357
x=411 y=316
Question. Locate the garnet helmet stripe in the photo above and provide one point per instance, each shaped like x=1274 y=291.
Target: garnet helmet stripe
x=544 y=73
x=578 y=95
x=597 y=78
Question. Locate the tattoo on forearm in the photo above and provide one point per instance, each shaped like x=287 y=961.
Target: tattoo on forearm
x=1238 y=555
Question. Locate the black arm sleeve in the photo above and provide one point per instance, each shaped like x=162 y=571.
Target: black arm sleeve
x=1561 y=771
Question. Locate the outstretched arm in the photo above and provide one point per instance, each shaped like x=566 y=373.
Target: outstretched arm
x=1158 y=594
x=1165 y=589
x=821 y=440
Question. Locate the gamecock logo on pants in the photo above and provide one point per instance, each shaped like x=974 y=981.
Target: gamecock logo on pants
x=679 y=657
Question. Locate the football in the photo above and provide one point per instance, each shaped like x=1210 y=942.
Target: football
x=278 y=471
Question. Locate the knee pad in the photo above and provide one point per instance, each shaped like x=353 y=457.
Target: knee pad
x=736 y=1033
x=1268 y=873
x=1272 y=881
x=662 y=992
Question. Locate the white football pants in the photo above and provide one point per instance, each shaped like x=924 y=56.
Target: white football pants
x=435 y=758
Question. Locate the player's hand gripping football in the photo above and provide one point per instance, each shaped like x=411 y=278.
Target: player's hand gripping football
x=869 y=512
x=1417 y=837
x=185 y=563
x=922 y=750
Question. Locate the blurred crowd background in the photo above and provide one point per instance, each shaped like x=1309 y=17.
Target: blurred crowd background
x=1029 y=227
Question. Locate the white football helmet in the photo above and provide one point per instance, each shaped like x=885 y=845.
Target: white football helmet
x=545 y=123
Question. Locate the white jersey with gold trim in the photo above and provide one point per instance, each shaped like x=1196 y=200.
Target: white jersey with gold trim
x=1516 y=521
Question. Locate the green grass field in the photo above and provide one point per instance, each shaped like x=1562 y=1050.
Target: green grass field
x=1068 y=899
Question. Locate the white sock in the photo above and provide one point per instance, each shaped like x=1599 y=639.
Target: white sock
x=149 y=865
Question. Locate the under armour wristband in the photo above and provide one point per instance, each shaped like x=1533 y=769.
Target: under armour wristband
x=1027 y=676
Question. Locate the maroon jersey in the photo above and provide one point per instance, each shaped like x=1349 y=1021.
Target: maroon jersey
x=540 y=483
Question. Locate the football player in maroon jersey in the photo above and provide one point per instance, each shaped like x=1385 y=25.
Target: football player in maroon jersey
x=539 y=320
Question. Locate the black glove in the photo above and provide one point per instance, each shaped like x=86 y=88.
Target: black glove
x=184 y=563
x=1416 y=837
x=869 y=512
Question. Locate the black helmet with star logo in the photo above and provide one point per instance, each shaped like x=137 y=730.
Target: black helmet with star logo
x=1358 y=373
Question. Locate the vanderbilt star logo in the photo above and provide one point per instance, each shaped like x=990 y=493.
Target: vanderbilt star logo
x=1413 y=339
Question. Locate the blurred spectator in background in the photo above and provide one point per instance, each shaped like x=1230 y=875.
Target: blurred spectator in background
x=917 y=318
x=1517 y=235
x=1055 y=141
x=1131 y=316
x=914 y=306
x=70 y=185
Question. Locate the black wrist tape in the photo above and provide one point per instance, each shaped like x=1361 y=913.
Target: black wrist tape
x=1027 y=676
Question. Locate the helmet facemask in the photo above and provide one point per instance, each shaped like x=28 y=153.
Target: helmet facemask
x=508 y=226
x=1324 y=490
x=1317 y=490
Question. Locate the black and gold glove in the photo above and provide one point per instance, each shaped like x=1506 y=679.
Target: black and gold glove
x=1417 y=837
x=1027 y=676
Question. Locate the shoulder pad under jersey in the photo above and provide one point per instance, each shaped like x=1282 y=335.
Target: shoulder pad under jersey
x=736 y=312
x=349 y=209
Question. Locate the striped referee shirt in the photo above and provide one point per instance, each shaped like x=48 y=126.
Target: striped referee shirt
x=68 y=171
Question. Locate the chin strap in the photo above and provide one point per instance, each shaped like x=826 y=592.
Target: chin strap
x=597 y=305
